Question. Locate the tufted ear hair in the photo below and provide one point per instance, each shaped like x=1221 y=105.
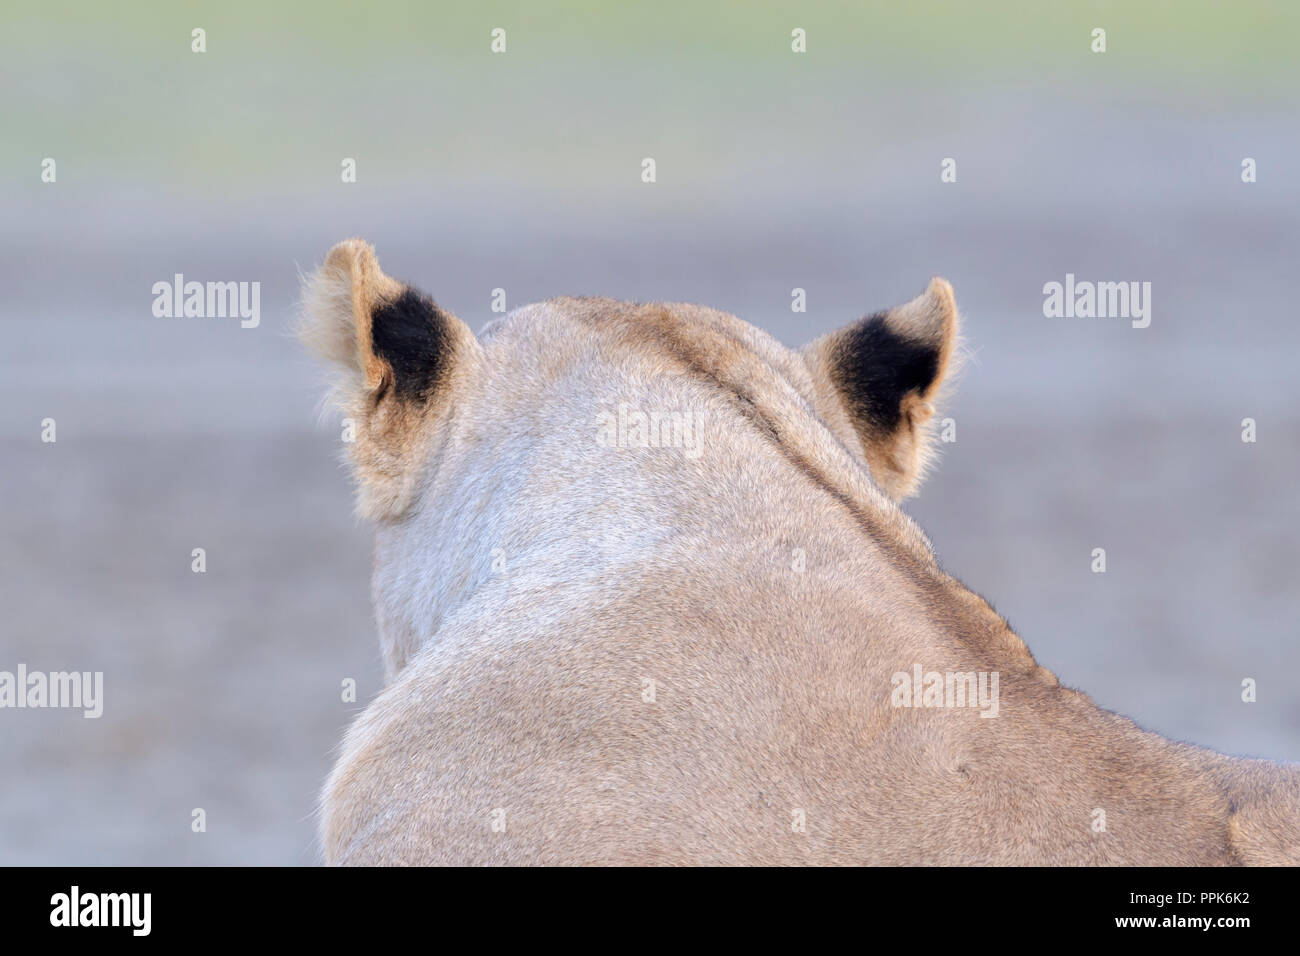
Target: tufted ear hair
x=402 y=357
x=877 y=380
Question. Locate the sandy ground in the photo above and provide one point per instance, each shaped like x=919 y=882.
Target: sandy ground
x=223 y=689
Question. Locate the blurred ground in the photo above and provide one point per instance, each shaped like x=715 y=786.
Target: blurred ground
x=222 y=689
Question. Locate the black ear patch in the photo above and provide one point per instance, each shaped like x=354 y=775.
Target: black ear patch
x=410 y=333
x=876 y=367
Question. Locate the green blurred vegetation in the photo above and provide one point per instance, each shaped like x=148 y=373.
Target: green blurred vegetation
x=1246 y=39
x=115 y=86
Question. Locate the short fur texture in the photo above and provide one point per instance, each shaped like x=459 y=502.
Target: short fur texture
x=601 y=651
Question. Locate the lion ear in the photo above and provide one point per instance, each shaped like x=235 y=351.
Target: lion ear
x=403 y=357
x=877 y=381
x=393 y=334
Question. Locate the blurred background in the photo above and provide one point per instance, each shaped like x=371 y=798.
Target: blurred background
x=522 y=171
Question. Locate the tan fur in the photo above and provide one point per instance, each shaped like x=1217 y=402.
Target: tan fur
x=534 y=582
x=898 y=459
x=393 y=440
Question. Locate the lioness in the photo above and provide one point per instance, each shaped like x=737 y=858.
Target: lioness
x=645 y=596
